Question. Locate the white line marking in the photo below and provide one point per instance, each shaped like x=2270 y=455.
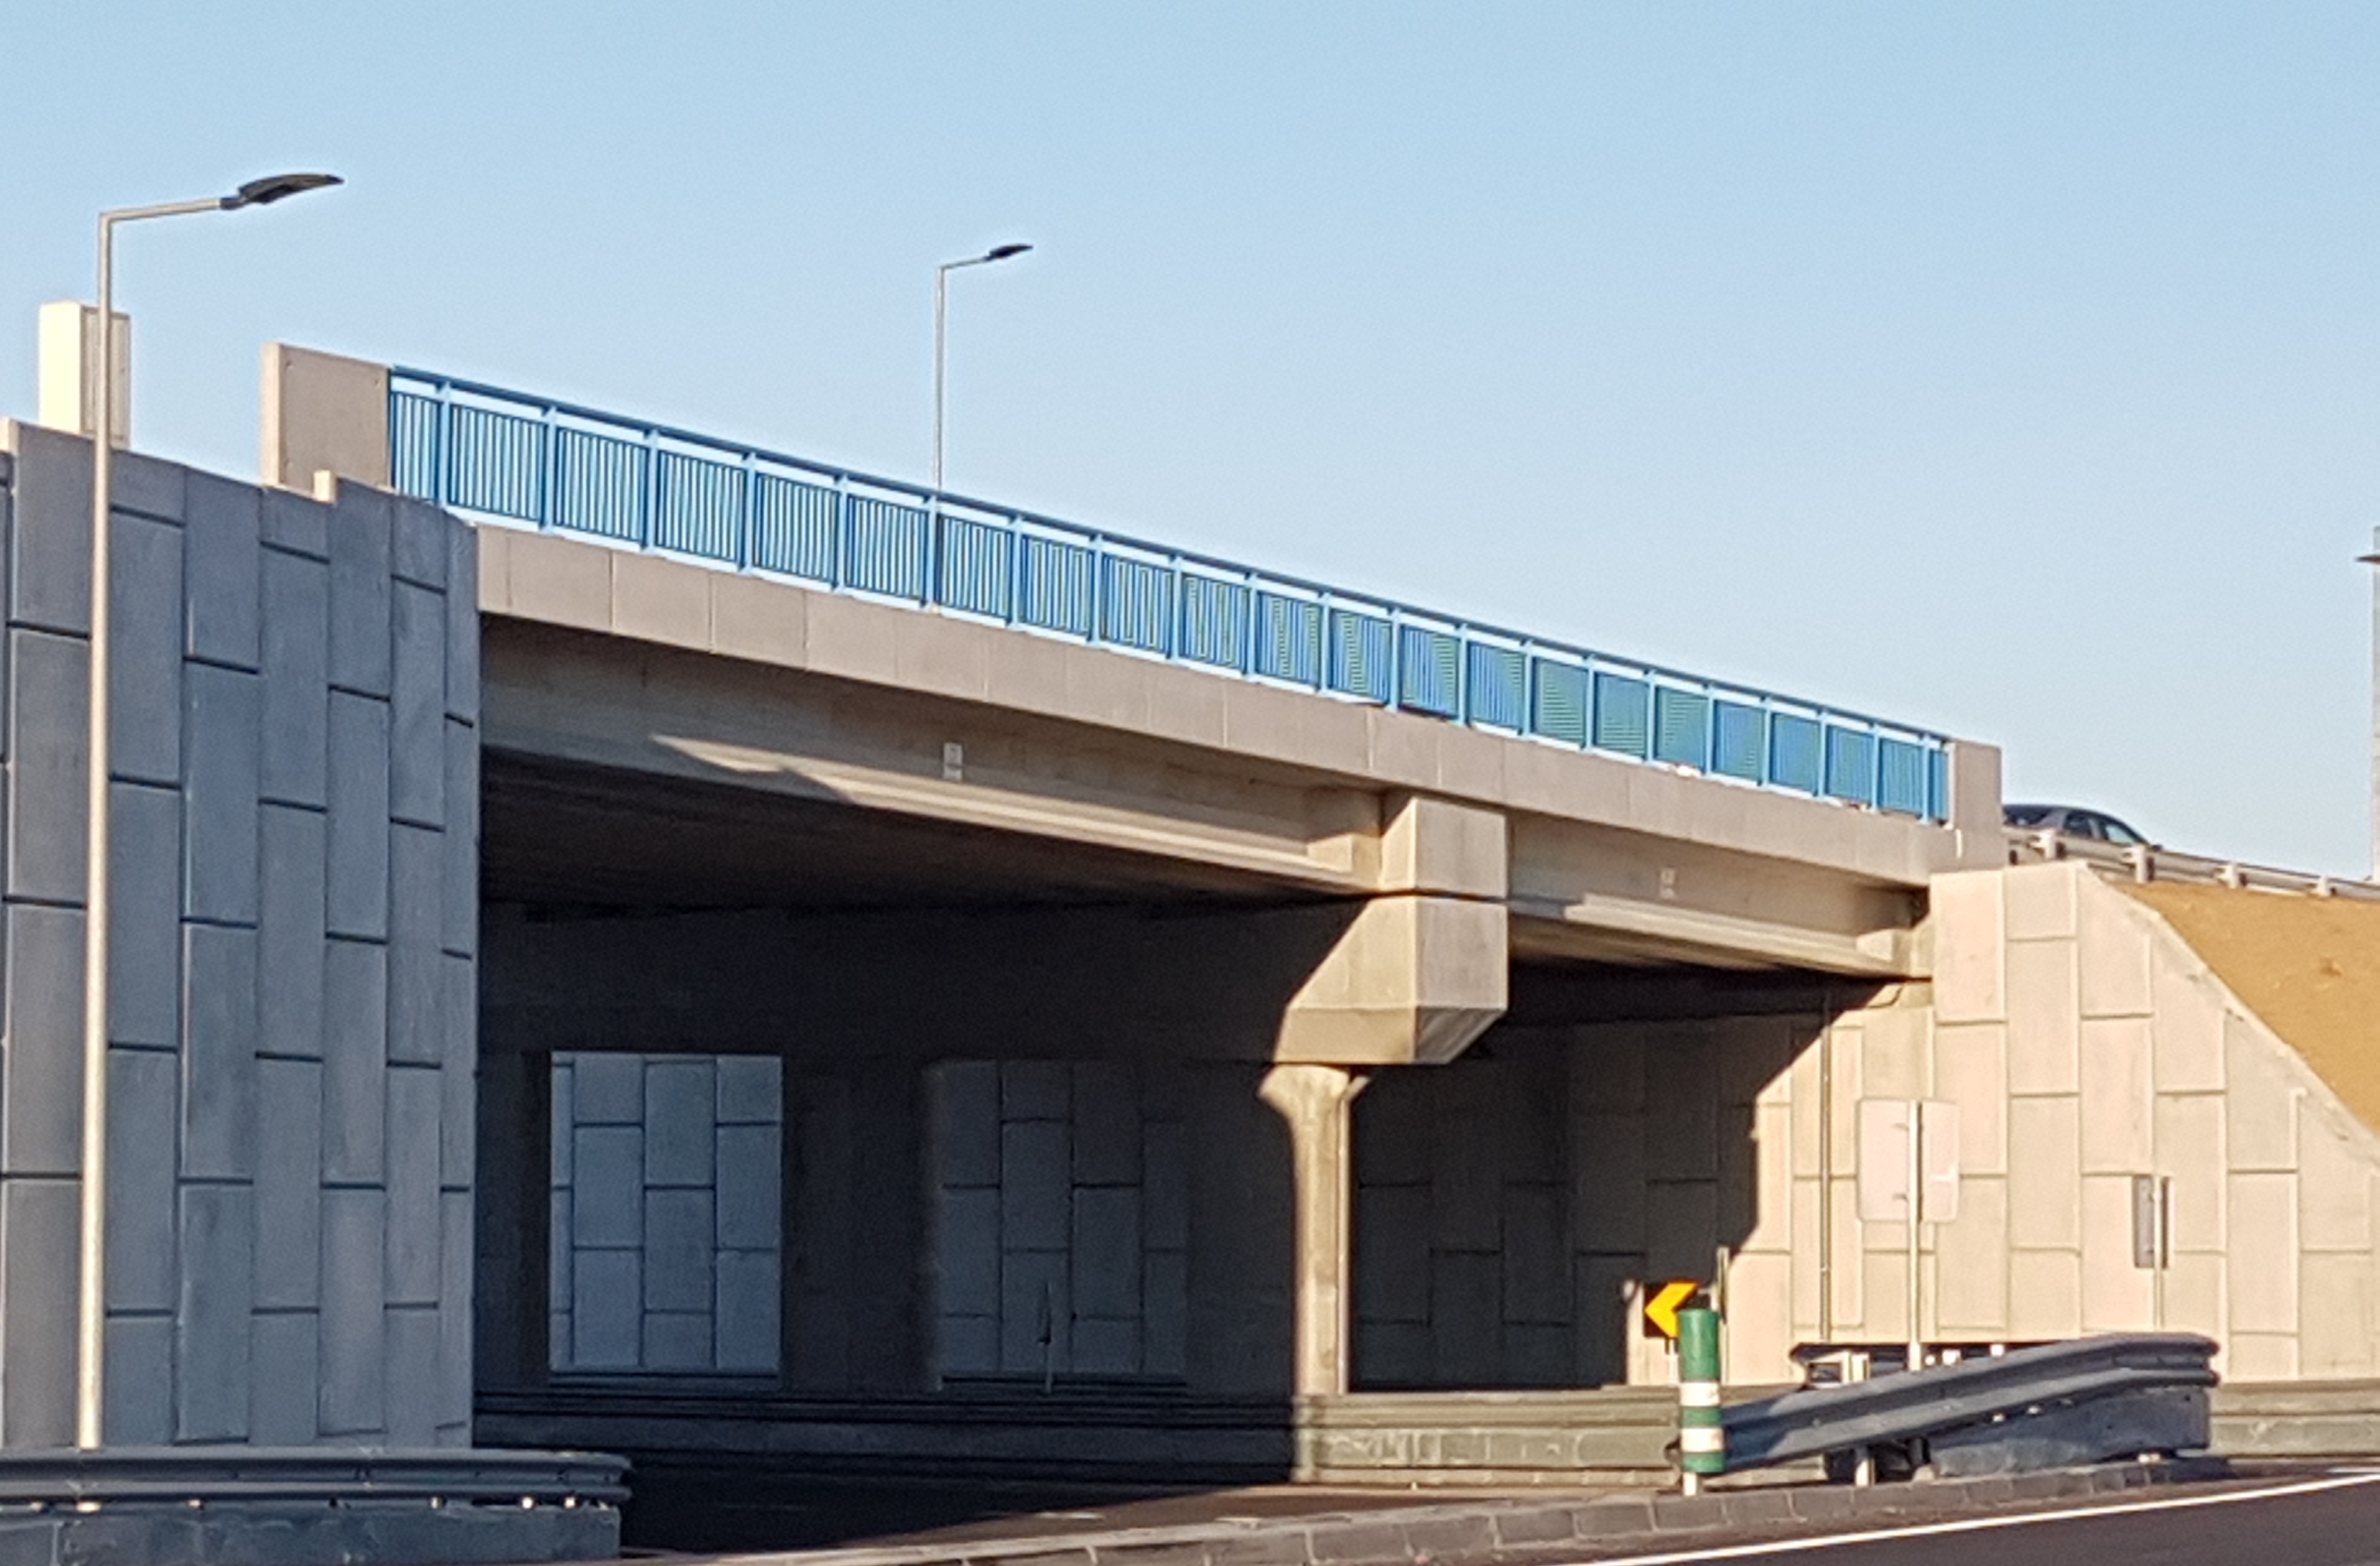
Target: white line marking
x=1981 y=1524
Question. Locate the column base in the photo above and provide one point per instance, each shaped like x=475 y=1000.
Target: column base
x=298 y=1506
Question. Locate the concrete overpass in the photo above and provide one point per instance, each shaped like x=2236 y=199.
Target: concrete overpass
x=1104 y=1013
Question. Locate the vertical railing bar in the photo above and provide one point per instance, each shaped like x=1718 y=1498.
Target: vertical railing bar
x=839 y=549
x=549 y=465
x=747 y=512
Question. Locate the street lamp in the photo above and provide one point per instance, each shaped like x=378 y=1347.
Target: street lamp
x=90 y=1302
x=942 y=333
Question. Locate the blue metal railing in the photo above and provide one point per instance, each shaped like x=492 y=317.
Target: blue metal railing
x=511 y=457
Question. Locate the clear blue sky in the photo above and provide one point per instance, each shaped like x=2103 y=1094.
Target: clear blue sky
x=2009 y=369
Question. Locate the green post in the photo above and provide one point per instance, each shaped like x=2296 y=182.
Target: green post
x=1701 y=1441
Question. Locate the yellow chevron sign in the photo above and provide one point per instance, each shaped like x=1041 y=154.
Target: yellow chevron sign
x=1661 y=1306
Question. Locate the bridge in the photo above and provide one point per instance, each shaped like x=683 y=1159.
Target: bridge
x=917 y=985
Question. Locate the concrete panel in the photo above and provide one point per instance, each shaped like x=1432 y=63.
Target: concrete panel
x=2258 y=1356
x=1164 y=1313
x=680 y=1124
x=412 y=1184
x=459 y=910
x=290 y=954
x=1883 y=1283
x=1760 y=1340
x=1536 y=1258
x=297 y=523
x=750 y=1176
x=608 y=1089
x=457 y=1268
x=608 y=1187
x=1767 y=1184
x=2040 y=900
x=222 y=529
x=2044 y=1173
x=2113 y=942
x=141 y=1116
x=678 y=1227
x=758 y=620
x=1034 y=1185
x=222 y=711
x=1106 y=1113
x=1391 y=1253
x=218 y=1052
x=555 y=579
x=1893 y=1053
x=1104 y=1347
x=144 y=976
x=965 y=1100
x=1107 y=1253
x=288 y=1187
x=751 y=1092
x=49 y=548
x=211 y=1321
x=2116 y=1097
x=606 y=1325
x=296 y=672
x=139 y=1391
x=457 y=1078
x=2044 y=1294
x=418 y=543
x=324 y=414
x=357 y=888
x=1033 y=1090
x=2043 y=1012
x=355 y=1056
x=414 y=1389
x=2190 y=1152
x=1466 y=1319
x=2263 y=1227
x=145 y=668
x=2194 y=1296
x=360 y=592
x=41 y=1067
x=675 y=1341
x=964 y=1345
x=2333 y=1192
x=559 y=1229
x=1164 y=1197
x=2260 y=1101
x=2187 y=1028
x=1681 y=1130
x=969 y=1253
x=284 y=1347
x=1969 y=925
x=1682 y=1229
x=1607 y=1197
x=1607 y=1292
x=418 y=707
x=658 y=600
x=353 y=1335
x=416 y=963
x=463 y=621
x=1035 y=1312
x=49 y=721
x=2340 y=1328
x=2117 y=1296
x=1971 y=1070
x=39 y=1222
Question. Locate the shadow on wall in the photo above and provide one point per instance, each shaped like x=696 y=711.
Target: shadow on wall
x=1513 y=1208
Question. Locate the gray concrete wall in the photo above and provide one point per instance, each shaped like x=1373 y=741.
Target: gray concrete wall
x=293 y=1026
x=668 y=1174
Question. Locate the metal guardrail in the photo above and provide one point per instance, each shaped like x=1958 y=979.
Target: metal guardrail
x=2138 y=1392
x=504 y=456
x=2143 y=864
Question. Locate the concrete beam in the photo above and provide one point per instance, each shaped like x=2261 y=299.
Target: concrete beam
x=1412 y=981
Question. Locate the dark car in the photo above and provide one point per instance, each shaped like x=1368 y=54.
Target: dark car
x=2070 y=821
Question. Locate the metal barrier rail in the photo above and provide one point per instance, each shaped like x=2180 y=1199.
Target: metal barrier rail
x=2143 y=864
x=504 y=456
x=2006 y=1392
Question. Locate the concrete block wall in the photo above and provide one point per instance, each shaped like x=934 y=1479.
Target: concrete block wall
x=667 y=1181
x=1062 y=1221
x=292 y=1030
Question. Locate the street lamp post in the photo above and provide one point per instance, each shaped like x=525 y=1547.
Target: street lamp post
x=942 y=333
x=90 y=1302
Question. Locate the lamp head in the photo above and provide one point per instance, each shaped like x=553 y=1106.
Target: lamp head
x=275 y=187
x=1002 y=252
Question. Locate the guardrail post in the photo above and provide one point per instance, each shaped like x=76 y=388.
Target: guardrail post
x=1702 y=1440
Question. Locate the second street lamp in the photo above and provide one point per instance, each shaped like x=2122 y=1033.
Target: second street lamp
x=90 y=1302
x=942 y=333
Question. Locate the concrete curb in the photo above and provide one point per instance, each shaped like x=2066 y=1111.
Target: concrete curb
x=1500 y=1529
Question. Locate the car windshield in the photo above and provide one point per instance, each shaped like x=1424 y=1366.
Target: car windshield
x=2026 y=815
